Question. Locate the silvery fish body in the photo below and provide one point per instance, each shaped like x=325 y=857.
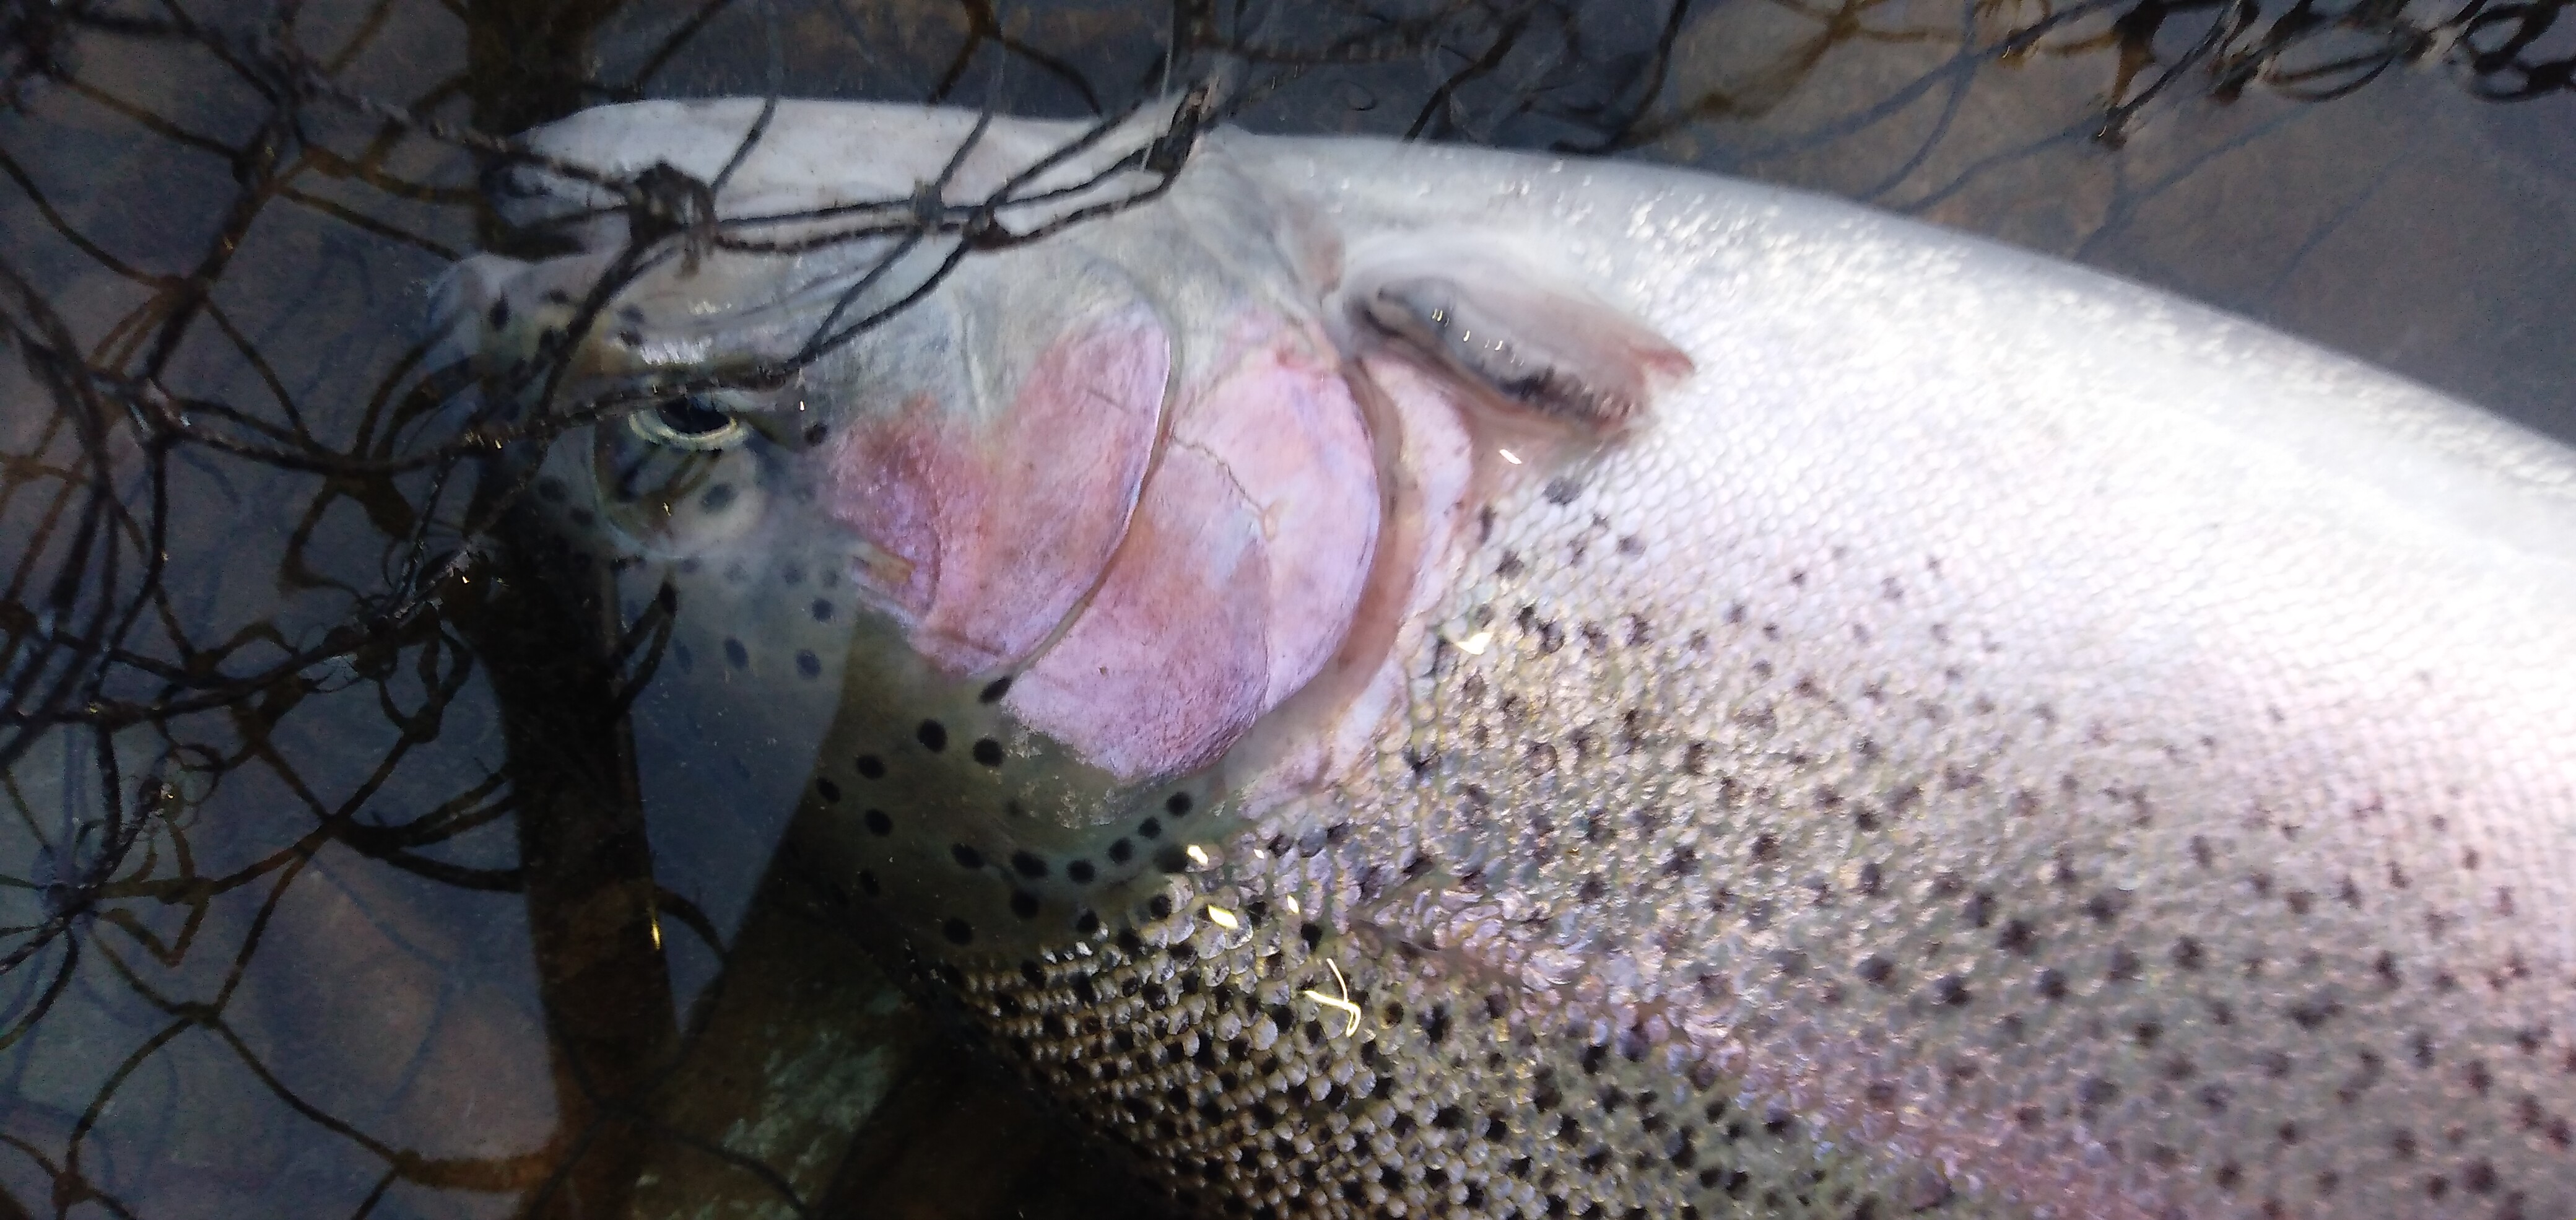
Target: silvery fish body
x=1412 y=681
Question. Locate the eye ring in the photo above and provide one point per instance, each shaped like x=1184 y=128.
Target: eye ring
x=687 y=423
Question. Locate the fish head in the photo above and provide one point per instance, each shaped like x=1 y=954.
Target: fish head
x=1097 y=542
x=1041 y=537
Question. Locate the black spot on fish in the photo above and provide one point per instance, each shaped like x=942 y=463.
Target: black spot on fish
x=1024 y=904
x=958 y=932
x=988 y=751
x=1087 y=923
x=966 y=857
x=877 y=822
x=932 y=735
x=1121 y=852
x=870 y=766
x=807 y=664
x=1149 y=828
x=868 y=884
x=1160 y=907
x=2093 y=1093
x=735 y=654
x=2124 y=965
x=1028 y=865
x=499 y=314
x=1177 y=805
x=994 y=690
x=718 y=498
x=551 y=490
x=814 y=434
x=827 y=789
x=821 y=610
x=1080 y=871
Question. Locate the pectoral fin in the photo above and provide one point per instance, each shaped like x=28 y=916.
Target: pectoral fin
x=1518 y=338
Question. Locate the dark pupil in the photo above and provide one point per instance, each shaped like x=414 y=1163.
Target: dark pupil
x=690 y=417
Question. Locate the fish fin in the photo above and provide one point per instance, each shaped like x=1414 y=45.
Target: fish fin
x=1519 y=338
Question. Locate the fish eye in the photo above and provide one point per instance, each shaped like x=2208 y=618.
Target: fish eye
x=687 y=423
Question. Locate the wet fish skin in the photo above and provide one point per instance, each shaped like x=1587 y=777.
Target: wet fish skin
x=1966 y=735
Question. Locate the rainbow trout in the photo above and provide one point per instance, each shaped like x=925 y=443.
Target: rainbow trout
x=1400 y=681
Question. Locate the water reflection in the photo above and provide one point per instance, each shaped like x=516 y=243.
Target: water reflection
x=353 y=864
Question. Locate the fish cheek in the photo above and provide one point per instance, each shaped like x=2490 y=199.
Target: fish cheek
x=883 y=488
x=997 y=527
x=1066 y=795
x=1240 y=578
x=1169 y=663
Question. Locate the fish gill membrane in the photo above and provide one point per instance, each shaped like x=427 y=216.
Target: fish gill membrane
x=1406 y=681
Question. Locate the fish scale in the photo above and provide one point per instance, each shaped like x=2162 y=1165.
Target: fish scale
x=1199 y=1048
x=1846 y=721
x=1801 y=870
